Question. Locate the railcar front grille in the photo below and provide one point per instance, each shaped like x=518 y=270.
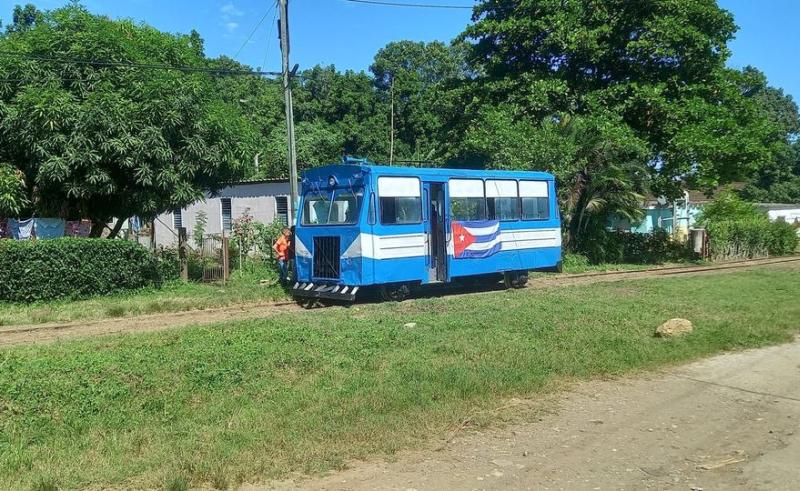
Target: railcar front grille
x=326 y=258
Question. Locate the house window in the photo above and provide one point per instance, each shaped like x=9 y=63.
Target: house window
x=227 y=216
x=282 y=209
x=400 y=200
x=177 y=219
x=535 y=200
x=467 y=200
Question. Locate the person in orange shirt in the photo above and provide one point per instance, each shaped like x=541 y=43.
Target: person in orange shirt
x=283 y=252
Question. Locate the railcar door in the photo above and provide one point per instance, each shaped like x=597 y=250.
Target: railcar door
x=435 y=226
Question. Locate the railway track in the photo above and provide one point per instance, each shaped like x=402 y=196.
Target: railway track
x=45 y=333
x=659 y=271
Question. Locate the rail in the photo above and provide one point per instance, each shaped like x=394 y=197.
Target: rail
x=38 y=333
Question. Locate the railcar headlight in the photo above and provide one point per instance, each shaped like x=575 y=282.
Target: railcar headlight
x=332 y=181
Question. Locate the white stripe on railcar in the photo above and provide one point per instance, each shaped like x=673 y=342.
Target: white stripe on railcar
x=416 y=245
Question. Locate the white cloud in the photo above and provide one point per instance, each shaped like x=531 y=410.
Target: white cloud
x=229 y=10
x=228 y=17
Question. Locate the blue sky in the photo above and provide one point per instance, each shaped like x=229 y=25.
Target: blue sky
x=347 y=35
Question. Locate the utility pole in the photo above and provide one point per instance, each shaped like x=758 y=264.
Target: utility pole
x=287 y=95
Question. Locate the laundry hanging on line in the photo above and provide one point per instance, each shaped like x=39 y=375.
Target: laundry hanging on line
x=21 y=229
x=49 y=228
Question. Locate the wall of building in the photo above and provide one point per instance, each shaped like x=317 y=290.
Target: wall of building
x=257 y=199
x=790 y=215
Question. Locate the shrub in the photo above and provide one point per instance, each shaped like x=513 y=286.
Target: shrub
x=265 y=237
x=728 y=206
x=783 y=239
x=73 y=268
x=199 y=230
x=168 y=263
x=575 y=262
x=628 y=247
x=747 y=239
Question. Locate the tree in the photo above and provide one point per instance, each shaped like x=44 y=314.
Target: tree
x=24 y=18
x=598 y=162
x=103 y=141
x=346 y=105
x=411 y=77
x=615 y=97
x=779 y=180
x=12 y=191
x=728 y=206
x=594 y=45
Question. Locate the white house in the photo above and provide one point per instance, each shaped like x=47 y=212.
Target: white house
x=777 y=211
x=265 y=200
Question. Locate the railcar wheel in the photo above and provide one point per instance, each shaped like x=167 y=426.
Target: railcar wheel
x=516 y=279
x=310 y=303
x=395 y=293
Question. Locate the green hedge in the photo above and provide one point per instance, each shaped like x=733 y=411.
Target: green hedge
x=746 y=239
x=73 y=268
x=615 y=247
x=168 y=263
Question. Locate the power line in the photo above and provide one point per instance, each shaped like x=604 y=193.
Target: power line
x=253 y=32
x=401 y=4
x=269 y=35
x=143 y=66
x=27 y=80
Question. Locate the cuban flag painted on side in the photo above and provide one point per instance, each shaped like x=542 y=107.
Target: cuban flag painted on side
x=476 y=240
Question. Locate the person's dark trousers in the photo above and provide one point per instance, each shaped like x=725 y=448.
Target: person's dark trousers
x=283 y=266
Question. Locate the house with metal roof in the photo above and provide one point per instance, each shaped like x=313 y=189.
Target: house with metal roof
x=266 y=200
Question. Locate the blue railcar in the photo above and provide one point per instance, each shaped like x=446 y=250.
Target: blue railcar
x=361 y=225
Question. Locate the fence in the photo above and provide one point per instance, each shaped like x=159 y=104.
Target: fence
x=213 y=255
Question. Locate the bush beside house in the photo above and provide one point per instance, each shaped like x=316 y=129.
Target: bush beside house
x=73 y=268
x=739 y=230
x=750 y=238
x=614 y=247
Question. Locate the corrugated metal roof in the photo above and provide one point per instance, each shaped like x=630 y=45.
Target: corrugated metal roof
x=270 y=180
x=778 y=206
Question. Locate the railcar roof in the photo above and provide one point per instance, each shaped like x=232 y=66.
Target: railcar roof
x=431 y=171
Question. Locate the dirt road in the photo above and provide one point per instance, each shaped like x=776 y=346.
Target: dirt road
x=732 y=421
x=48 y=333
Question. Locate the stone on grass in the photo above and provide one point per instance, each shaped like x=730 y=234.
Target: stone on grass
x=410 y=325
x=674 y=328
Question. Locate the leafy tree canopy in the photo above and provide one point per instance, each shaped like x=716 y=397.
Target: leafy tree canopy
x=616 y=98
x=12 y=191
x=658 y=64
x=728 y=206
x=104 y=141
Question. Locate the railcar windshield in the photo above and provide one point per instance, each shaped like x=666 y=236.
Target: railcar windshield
x=340 y=207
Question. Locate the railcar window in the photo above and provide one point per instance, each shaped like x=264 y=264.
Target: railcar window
x=400 y=200
x=502 y=200
x=372 y=213
x=340 y=208
x=345 y=206
x=535 y=200
x=467 y=200
x=317 y=209
x=397 y=210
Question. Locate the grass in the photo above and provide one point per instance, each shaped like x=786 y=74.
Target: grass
x=244 y=287
x=576 y=263
x=243 y=401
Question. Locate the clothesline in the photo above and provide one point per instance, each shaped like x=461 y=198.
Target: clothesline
x=44 y=228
